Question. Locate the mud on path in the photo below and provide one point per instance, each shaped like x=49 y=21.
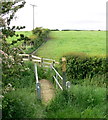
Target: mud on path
x=47 y=91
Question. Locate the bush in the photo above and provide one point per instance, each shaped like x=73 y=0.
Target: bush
x=41 y=32
x=23 y=79
x=21 y=103
x=39 y=36
x=80 y=66
x=44 y=73
x=12 y=66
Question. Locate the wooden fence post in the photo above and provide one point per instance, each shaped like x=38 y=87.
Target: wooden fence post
x=53 y=63
x=30 y=57
x=64 y=71
x=41 y=62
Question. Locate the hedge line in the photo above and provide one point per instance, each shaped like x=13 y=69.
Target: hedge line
x=81 y=66
x=39 y=36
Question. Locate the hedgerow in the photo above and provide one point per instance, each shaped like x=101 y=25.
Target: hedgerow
x=39 y=36
x=42 y=35
x=81 y=66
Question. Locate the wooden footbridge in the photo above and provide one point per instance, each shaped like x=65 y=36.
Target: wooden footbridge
x=45 y=90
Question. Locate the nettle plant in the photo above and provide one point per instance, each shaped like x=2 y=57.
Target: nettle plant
x=12 y=64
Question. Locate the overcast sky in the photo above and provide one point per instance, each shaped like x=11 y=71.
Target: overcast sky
x=63 y=14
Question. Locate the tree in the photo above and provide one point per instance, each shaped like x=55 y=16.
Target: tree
x=12 y=64
x=2 y=22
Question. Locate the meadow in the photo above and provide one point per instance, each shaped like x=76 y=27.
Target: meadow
x=62 y=42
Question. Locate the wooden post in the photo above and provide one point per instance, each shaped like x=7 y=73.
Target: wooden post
x=41 y=62
x=30 y=57
x=53 y=62
x=64 y=71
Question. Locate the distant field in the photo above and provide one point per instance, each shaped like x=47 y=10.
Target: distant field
x=26 y=33
x=61 y=42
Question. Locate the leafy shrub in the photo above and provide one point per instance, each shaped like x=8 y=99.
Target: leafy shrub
x=12 y=64
x=21 y=103
x=80 y=66
x=41 y=73
x=41 y=32
x=39 y=36
x=44 y=73
x=19 y=79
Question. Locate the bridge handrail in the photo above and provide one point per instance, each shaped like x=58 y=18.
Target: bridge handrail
x=36 y=57
x=39 y=59
x=58 y=83
x=56 y=77
x=56 y=72
x=48 y=59
x=36 y=74
x=24 y=55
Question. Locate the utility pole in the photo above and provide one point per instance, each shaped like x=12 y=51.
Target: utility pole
x=33 y=14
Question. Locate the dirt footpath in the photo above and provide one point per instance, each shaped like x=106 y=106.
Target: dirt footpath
x=47 y=91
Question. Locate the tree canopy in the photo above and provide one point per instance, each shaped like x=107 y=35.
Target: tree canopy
x=12 y=64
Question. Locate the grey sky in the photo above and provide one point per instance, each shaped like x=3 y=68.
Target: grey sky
x=64 y=14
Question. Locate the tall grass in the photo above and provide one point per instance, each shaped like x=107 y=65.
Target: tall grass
x=22 y=103
x=79 y=102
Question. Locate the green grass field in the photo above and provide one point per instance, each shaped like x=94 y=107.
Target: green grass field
x=26 y=33
x=62 y=42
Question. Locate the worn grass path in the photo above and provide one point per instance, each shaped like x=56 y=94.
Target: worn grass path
x=47 y=91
